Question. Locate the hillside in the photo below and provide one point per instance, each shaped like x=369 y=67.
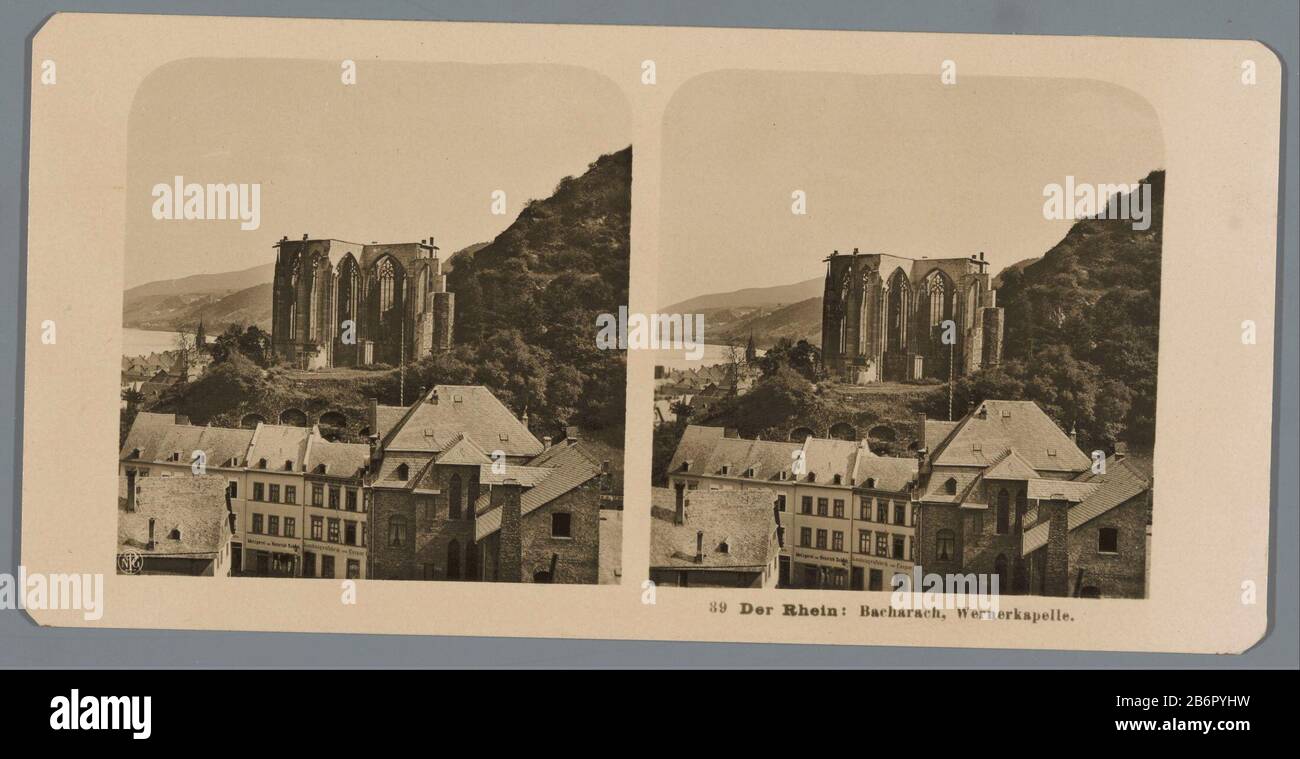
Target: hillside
x=526 y=304
x=751 y=297
x=1083 y=330
x=204 y=284
x=797 y=321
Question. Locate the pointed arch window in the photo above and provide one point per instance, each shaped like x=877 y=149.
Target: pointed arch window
x=387 y=284
x=453 y=497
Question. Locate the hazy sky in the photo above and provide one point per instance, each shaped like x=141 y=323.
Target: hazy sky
x=892 y=164
x=410 y=150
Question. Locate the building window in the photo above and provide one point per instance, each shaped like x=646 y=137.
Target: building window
x=882 y=544
x=1108 y=540
x=453 y=497
x=805 y=537
x=290 y=527
x=317 y=528
x=402 y=472
x=273 y=525
x=1003 y=512
x=333 y=534
x=317 y=495
x=864 y=541
x=290 y=493
x=354 y=569
x=257 y=524
x=780 y=503
x=950 y=486
x=351 y=500
x=232 y=488
x=882 y=511
x=839 y=508
x=864 y=509
x=350 y=532
x=363 y=534
x=273 y=494
x=945 y=545
x=334 y=496
x=898 y=547
x=837 y=541
x=822 y=505
x=257 y=491
x=397 y=531
x=821 y=538
x=900 y=514
x=806 y=505
x=326 y=566
x=387 y=279
x=561 y=525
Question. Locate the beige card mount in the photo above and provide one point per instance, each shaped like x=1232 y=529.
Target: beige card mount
x=315 y=314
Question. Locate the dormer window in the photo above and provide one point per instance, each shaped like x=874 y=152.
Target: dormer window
x=871 y=482
x=135 y=453
x=749 y=472
x=838 y=479
x=1051 y=451
x=402 y=472
x=261 y=463
x=950 y=487
x=726 y=468
x=686 y=466
x=504 y=437
x=723 y=547
x=812 y=476
x=175 y=534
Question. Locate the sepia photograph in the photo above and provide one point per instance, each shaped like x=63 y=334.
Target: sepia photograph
x=931 y=329
x=408 y=390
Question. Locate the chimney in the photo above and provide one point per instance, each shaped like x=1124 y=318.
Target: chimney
x=699 y=546
x=524 y=418
x=546 y=442
x=1056 y=566
x=571 y=435
x=1074 y=434
x=424 y=390
x=1121 y=449
x=149 y=545
x=510 y=547
x=433 y=396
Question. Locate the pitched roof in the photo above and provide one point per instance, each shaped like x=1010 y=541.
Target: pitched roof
x=339 y=459
x=743 y=520
x=462 y=450
x=279 y=443
x=995 y=426
x=568 y=470
x=195 y=506
x=708 y=449
x=1010 y=466
x=146 y=435
x=1121 y=483
x=826 y=457
x=450 y=410
x=887 y=472
x=935 y=431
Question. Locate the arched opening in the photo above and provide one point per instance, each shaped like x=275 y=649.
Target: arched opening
x=896 y=308
x=883 y=433
x=454 y=497
x=333 y=419
x=387 y=293
x=250 y=421
x=1004 y=512
x=800 y=434
x=453 y=560
x=293 y=417
x=843 y=431
x=936 y=303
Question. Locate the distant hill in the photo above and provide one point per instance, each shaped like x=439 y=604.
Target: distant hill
x=751 y=297
x=1001 y=276
x=237 y=297
x=797 y=321
x=200 y=284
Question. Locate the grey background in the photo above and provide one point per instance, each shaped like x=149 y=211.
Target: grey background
x=24 y=644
